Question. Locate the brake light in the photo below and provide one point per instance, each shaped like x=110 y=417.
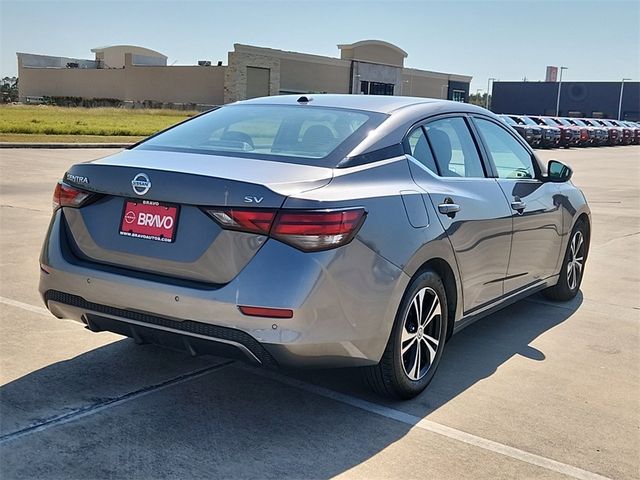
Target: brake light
x=313 y=231
x=303 y=229
x=67 y=196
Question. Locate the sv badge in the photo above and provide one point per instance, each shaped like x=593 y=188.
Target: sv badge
x=252 y=199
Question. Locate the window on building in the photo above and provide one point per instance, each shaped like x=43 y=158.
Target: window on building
x=376 y=88
x=458 y=95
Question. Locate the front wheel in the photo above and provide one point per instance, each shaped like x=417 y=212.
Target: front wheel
x=572 y=268
x=417 y=339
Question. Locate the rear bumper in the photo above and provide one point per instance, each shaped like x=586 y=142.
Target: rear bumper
x=344 y=302
x=196 y=338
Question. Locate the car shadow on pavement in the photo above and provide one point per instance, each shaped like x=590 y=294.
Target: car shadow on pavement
x=234 y=422
x=473 y=354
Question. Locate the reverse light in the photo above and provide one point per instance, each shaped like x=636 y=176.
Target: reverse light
x=67 y=196
x=306 y=230
x=245 y=220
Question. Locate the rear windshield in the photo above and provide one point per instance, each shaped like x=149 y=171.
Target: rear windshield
x=289 y=133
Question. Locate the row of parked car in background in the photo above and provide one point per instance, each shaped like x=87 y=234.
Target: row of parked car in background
x=556 y=132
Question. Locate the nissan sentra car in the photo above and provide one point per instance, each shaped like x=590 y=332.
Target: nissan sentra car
x=324 y=230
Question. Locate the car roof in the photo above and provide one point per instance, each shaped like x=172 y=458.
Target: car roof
x=386 y=104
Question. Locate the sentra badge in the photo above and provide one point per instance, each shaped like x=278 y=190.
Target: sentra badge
x=77 y=178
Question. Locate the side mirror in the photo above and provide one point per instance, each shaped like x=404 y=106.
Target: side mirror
x=558 y=172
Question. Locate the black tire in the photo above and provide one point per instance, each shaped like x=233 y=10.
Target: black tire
x=567 y=287
x=390 y=377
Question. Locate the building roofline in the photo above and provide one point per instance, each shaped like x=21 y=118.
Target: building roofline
x=240 y=47
x=430 y=73
x=535 y=82
x=379 y=43
x=154 y=52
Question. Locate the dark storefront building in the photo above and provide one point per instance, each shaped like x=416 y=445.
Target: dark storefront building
x=577 y=99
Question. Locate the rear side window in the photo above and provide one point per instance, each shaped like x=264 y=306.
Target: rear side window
x=421 y=151
x=295 y=133
x=454 y=148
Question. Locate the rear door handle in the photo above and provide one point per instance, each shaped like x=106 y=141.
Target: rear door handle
x=449 y=208
x=518 y=205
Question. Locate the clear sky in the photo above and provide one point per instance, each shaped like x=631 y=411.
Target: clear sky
x=509 y=40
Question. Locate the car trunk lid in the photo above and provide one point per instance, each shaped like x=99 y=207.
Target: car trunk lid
x=168 y=189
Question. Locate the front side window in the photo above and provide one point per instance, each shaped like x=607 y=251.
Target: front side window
x=511 y=158
x=454 y=148
x=299 y=134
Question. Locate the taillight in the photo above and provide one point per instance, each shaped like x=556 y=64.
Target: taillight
x=313 y=231
x=303 y=229
x=67 y=196
x=253 y=221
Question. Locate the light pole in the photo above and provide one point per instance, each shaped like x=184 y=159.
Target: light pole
x=620 y=102
x=486 y=104
x=559 y=87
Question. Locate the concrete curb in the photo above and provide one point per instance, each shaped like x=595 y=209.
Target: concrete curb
x=64 y=145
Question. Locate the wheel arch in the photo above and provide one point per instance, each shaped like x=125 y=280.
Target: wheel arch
x=584 y=218
x=446 y=273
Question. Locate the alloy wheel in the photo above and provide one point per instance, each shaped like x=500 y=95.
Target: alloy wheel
x=421 y=333
x=576 y=260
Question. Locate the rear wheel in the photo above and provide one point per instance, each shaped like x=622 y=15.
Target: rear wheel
x=572 y=268
x=416 y=343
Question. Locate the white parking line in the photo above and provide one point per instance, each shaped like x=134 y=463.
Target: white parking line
x=429 y=426
x=25 y=306
x=34 y=309
x=359 y=403
x=112 y=402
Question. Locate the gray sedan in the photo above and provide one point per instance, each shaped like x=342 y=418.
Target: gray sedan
x=324 y=230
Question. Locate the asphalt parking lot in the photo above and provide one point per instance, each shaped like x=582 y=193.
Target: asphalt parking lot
x=538 y=390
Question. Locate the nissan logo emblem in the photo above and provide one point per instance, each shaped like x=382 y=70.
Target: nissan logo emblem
x=130 y=217
x=141 y=184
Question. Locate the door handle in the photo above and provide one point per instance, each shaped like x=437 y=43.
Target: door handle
x=518 y=205
x=449 y=208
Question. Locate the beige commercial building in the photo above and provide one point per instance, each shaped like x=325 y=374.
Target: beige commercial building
x=135 y=74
